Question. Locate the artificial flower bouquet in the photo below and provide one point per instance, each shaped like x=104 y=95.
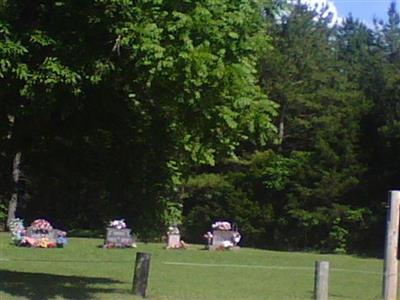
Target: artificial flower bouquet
x=41 y=225
x=17 y=230
x=61 y=239
x=117 y=224
x=222 y=225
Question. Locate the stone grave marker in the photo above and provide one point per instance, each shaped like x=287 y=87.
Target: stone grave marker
x=38 y=234
x=223 y=236
x=119 y=238
x=174 y=238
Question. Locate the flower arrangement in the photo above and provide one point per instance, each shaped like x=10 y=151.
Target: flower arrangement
x=46 y=243
x=61 y=239
x=41 y=225
x=222 y=225
x=17 y=230
x=209 y=237
x=117 y=224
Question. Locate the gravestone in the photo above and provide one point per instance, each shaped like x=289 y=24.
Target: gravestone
x=41 y=234
x=174 y=238
x=44 y=238
x=119 y=238
x=174 y=241
x=224 y=236
x=222 y=239
x=221 y=236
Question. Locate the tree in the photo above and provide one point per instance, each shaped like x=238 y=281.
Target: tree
x=387 y=100
x=320 y=114
x=113 y=100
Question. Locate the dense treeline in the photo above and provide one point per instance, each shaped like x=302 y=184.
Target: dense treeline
x=162 y=112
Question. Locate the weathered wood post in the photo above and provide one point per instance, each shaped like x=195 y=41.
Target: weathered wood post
x=321 y=280
x=390 y=267
x=140 y=278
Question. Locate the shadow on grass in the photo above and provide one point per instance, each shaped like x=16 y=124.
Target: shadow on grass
x=41 y=286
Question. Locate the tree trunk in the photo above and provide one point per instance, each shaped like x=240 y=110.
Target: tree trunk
x=281 y=129
x=12 y=206
x=281 y=132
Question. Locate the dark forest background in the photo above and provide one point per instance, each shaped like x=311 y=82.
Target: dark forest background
x=259 y=112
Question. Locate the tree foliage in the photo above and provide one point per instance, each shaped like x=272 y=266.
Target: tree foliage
x=114 y=100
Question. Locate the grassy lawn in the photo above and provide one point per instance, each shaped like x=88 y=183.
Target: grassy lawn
x=84 y=271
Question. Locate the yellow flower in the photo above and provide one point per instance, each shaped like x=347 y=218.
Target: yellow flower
x=43 y=242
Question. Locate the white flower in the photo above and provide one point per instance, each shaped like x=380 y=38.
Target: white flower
x=118 y=224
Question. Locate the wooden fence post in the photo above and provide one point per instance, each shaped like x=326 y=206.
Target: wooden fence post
x=141 y=275
x=390 y=267
x=321 y=280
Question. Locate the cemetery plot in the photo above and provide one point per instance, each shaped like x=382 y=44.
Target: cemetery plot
x=118 y=236
x=224 y=236
x=174 y=239
x=40 y=234
x=83 y=271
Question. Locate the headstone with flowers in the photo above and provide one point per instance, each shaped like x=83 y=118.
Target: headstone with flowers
x=174 y=238
x=223 y=236
x=119 y=236
x=40 y=234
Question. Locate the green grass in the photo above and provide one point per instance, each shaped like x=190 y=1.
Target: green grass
x=84 y=271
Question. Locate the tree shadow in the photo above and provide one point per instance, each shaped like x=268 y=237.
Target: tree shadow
x=42 y=286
